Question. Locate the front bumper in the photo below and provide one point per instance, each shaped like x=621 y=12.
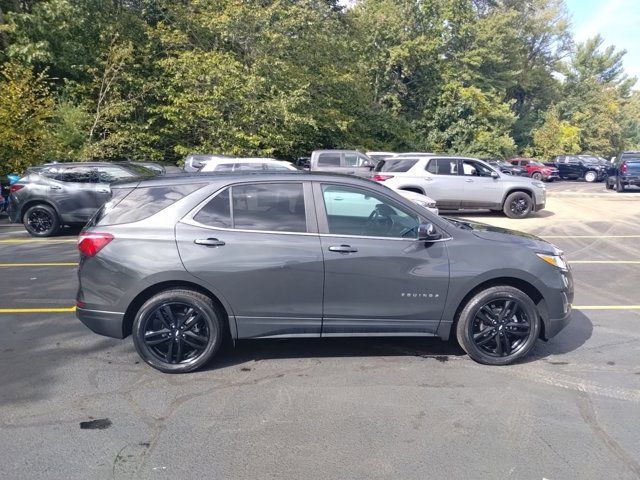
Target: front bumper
x=553 y=326
x=551 y=177
x=109 y=324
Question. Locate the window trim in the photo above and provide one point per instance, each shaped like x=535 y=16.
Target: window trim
x=312 y=224
x=458 y=167
x=323 y=222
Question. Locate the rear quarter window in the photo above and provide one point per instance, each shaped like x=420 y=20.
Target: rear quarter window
x=140 y=203
x=402 y=165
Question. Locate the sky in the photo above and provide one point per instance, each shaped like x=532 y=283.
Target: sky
x=617 y=21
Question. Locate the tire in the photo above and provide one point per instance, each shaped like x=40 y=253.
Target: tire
x=175 y=347
x=608 y=184
x=619 y=186
x=536 y=176
x=590 y=176
x=41 y=221
x=514 y=336
x=518 y=205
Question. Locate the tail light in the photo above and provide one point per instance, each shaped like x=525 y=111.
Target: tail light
x=90 y=243
x=15 y=187
x=623 y=168
x=382 y=178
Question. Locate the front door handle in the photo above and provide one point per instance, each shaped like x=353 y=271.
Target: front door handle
x=55 y=187
x=209 y=242
x=104 y=191
x=469 y=180
x=343 y=249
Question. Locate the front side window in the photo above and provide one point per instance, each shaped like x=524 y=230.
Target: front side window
x=475 y=169
x=356 y=211
x=354 y=160
x=277 y=207
x=329 y=160
x=443 y=166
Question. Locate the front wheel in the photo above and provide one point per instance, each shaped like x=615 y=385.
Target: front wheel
x=536 y=176
x=518 y=205
x=590 y=176
x=41 y=221
x=177 y=331
x=498 y=326
x=619 y=186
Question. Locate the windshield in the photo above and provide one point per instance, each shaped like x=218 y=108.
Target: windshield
x=537 y=164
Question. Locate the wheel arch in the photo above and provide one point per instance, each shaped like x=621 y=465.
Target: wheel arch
x=151 y=290
x=412 y=188
x=38 y=201
x=525 y=286
x=518 y=189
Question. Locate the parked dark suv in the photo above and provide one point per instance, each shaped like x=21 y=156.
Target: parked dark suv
x=578 y=167
x=624 y=171
x=181 y=263
x=57 y=194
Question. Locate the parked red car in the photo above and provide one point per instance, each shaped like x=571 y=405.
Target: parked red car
x=536 y=170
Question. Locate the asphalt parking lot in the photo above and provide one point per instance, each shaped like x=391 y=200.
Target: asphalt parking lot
x=76 y=405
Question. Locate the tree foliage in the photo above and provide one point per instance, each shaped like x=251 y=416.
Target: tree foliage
x=157 y=79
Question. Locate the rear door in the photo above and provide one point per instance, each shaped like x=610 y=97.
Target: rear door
x=74 y=191
x=256 y=244
x=379 y=279
x=443 y=182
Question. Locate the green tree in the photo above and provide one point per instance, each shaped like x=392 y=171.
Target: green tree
x=555 y=137
x=25 y=111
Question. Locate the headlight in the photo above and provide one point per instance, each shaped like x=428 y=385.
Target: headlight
x=555 y=260
x=425 y=204
x=538 y=184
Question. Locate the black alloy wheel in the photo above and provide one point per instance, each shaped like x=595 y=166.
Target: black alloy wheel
x=518 y=205
x=501 y=327
x=498 y=325
x=177 y=330
x=41 y=221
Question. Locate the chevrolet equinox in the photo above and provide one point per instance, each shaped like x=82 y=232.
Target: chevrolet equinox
x=182 y=262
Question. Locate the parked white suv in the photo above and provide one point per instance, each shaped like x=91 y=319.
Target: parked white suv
x=462 y=183
x=246 y=165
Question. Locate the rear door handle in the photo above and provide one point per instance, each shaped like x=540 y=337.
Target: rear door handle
x=55 y=187
x=343 y=249
x=469 y=180
x=104 y=191
x=209 y=242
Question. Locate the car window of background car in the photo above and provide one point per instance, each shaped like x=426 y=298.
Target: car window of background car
x=443 y=166
x=248 y=167
x=354 y=211
x=475 y=169
x=395 y=165
x=224 y=167
x=141 y=203
x=355 y=160
x=111 y=174
x=80 y=174
x=277 y=207
x=329 y=160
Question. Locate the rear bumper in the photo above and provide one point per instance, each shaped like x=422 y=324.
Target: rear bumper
x=104 y=323
x=630 y=180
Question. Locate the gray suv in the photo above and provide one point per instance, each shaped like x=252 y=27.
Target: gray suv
x=57 y=194
x=181 y=263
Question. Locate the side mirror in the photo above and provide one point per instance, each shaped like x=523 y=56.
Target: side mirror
x=495 y=175
x=428 y=233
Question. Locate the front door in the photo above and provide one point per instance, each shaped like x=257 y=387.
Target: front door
x=481 y=190
x=74 y=192
x=253 y=244
x=379 y=279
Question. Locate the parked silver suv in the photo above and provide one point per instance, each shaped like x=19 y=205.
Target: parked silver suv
x=462 y=183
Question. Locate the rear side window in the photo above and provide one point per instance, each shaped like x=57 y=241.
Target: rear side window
x=395 y=165
x=277 y=207
x=443 y=166
x=329 y=160
x=76 y=175
x=143 y=202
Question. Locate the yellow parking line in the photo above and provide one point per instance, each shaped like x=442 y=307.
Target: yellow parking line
x=38 y=310
x=606 y=307
x=590 y=236
x=49 y=264
x=605 y=261
x=40 y=240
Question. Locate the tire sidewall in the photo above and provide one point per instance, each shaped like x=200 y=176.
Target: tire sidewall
x=54 y=220
x=212 y=317
x=536 y=176
x=590 y=175
x=465 y=323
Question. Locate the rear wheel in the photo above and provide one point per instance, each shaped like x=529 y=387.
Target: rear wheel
x=608 y=185
x=498 y=326
x=590 y=176
x=41 y=221
x=518 y=205
x=536 y=176
x=178 y=331
x=619 y=186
